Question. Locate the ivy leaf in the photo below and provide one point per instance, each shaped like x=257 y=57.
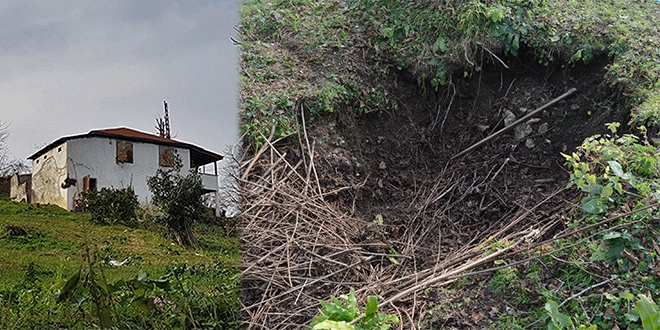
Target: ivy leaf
x=612 y=235
x=614 y=249
x=618 y=170
x=440 y=44
x=593 y=206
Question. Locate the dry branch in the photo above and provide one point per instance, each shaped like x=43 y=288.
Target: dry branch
x=301 y=246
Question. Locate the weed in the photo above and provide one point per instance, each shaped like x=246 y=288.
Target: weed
x=337 y=315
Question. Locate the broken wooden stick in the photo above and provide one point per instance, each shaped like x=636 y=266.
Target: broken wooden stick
x=514 y=124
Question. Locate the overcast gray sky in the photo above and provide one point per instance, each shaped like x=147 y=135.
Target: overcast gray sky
x=68 y=67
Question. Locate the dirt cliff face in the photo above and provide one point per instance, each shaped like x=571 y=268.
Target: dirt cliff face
x=350 y=189
x=395 y=156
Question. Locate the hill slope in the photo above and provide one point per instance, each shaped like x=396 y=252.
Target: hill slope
x=42 y=248
x=352 y=112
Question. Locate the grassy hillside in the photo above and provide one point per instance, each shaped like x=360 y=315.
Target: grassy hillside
x=41 y=248
x=359 y=91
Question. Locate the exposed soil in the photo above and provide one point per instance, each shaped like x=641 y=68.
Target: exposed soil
x=397 y=154
x=399 y=169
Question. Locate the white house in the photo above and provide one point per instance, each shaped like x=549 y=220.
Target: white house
x=116 y=158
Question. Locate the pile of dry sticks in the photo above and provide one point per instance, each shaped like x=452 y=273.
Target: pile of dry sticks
x=298 y=248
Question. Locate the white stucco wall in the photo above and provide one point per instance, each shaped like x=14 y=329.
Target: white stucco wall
x=96 y=157
x=48 y=173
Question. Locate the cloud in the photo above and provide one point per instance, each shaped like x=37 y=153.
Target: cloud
x=69 y=67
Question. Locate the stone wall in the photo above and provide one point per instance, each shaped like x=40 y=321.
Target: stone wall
x=21 y=186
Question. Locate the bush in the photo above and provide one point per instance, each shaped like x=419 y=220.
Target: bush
x=111 y=206
x=180 y=199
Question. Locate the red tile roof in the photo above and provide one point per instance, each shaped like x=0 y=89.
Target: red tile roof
x=131 y=133
x=199 y=156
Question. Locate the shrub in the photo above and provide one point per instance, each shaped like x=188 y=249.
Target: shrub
x=180 y=199
x=111 y=206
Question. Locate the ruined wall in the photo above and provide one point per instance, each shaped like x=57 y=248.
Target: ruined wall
x=49 y=172
x=21 y=187
x=115 y=167
x=5 y=185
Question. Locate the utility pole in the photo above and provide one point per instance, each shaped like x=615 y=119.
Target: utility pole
x=163 y=124
x=167 y=121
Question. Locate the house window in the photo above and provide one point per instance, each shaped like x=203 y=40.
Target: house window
x=89 y=183
x=166 y=156
x=124 y=152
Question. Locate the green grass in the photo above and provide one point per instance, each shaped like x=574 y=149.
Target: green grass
x=55 y=240
x=40 y=248
x=294 y=52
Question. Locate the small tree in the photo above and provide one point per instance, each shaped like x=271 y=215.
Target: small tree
x=180 y=199
x=8 y=165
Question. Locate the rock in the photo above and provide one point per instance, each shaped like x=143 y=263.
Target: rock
x=522 y=131
x=509 y=117
x=482 y=128
x=529 y=143
x=543 y=128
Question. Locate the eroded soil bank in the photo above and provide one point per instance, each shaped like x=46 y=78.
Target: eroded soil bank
x=395 y=156
x=383 y=184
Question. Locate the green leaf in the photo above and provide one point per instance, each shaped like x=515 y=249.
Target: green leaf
x=618 y=170
x=612 y=235
x=612 y=249
x=372 y=306
x=606 y=192
x=648 y=312
x=440 y=44
x=632 y=316
x=636 y=244
x=333 y=325
x=393 y=260
x=142 y=304
x=495 y=14
x=142 y=276
x=106 y=317
x=162 y=284
x=595 y=189
x=352 y=304
x=69 y=286
x=558 y=319
x=593 y=206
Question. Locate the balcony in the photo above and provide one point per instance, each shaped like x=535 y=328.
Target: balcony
x=209 y=181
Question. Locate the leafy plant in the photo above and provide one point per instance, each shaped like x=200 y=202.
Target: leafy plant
x=180 y=199
x=111 y=206
x=560 y=321
x=648 y=312
x=170 y=301
x=613 y=243
x=337 y=315
x=613 y=170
